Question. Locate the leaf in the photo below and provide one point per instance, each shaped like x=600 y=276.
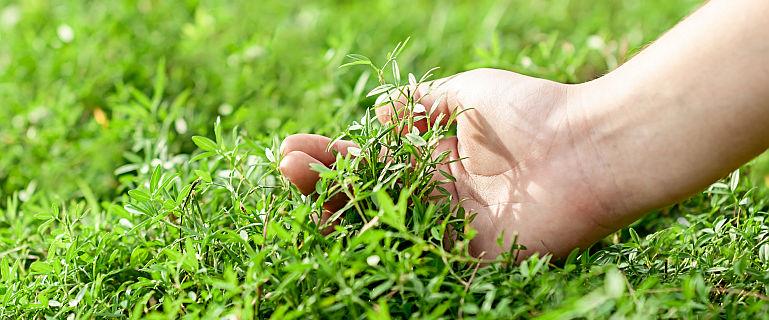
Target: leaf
x=138 y=255
x=155 y=179
x=203 y=175
x=166 y=181
x=319 y=168
x=763 y=253
x=270 y=156
x=428 y=74
x=396 y=72
x=202 y=156
x=380 y=90
x=734 y=181
x=204 y=143
x=634 y=235
x=378 y=290
x=470 y=308
x=183 y=194
x=381 y=311
x=388 y=211
x=435 y=233
x=357 y=60
x=615 y=283
x=719 y=225
x=45 y=215
x=357 y=57
x=79 y=297
x=218 y=131
x=447 y=175
x=40 y=267
x=322 y=170
x=139 y=195
x=416 y=139
x=355 y=63
x=354 y=151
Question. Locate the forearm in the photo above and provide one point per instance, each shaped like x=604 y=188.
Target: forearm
x=692 y=106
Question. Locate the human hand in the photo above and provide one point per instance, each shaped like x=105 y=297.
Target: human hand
x=561 y=166
x=523 y=170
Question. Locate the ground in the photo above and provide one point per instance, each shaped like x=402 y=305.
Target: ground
x=111 y=209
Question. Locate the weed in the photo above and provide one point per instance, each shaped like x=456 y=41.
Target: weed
x=120 y=200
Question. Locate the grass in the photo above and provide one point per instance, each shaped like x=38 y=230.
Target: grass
x=138 y=168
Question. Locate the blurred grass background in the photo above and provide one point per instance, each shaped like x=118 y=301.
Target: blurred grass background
x=73 y=72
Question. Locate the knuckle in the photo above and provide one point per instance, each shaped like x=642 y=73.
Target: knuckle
x=485 y=72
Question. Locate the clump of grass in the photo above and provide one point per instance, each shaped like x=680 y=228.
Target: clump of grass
x=394 y=252
x=394 y=161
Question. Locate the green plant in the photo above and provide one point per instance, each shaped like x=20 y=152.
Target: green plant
x=110 y=209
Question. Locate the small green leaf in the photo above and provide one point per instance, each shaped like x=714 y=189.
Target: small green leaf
x=381 y=288
x=354 y=151
x=74 y=302
x=322 y=170
x=389 y=212
x=42 y=215
x=218 y=132
x=155 y=179
x=763 y=253
x=204 y=143
x=183 y=194
x=139 y=195
x=447 y=176
x=203 y=175
x=435 y=233
x=355 y=63
x=416 y=139
x=615 y=283
x=202 y=156
x=40 y=267
x=470 y=308
x=396 y=72
x=269 y=154
x=380 y=90
x=138 y=255
x=356 y=60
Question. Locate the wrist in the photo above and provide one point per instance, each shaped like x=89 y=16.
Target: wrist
x=603 y=119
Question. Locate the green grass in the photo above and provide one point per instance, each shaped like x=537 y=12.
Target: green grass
x=111 y=209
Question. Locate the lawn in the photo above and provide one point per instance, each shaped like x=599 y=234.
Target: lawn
x=139 y=149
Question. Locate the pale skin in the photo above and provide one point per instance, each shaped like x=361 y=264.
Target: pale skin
x=562 y=166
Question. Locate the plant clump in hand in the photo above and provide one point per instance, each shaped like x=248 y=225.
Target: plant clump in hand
x=393 y=160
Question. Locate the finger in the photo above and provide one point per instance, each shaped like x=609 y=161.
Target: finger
x=295 y=166
x=435 y=99
x=312 y=148
x=326 y=226
x=316 y=146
